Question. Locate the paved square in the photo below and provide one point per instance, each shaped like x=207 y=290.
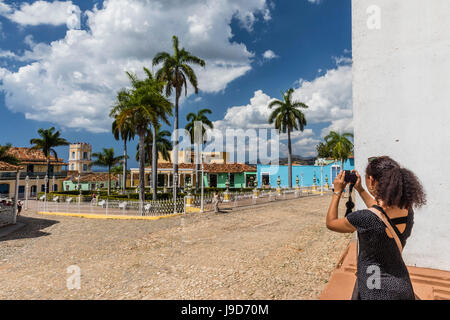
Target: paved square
x=280 y=250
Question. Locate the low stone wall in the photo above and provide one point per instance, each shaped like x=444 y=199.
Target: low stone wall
x=6 y=216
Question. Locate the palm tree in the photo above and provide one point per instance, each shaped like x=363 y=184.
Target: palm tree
x=323 y=150
x=288 y=117
x=151 y=151
x=163 y=146
x=124 y=132
x=118 y=169
x=5 y=156
x=107 y=159
x=192 y=118
x=176 y=72
x=144 y=105
x=48 y=141
x=340 y=146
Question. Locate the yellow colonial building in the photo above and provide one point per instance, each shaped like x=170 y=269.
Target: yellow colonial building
x=32 y=171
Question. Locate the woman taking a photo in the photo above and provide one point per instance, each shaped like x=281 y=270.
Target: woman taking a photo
x=383 y=228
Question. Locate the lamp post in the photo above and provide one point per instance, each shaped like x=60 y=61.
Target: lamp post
x=188 y=189
x=226 y=194
x=314 y=187
x=79 y=189
x=203 y=186
x=27 y=181
x=279 y=186
x=53 y=184
x=321 y=162
x=255 y=187
x=37 y=186
x=45 y=194
x=301 y=183
x=175 y=182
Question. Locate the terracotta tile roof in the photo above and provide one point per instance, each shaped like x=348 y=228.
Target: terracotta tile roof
x=182 y=166
x=91 y=177
x=33 y=156
x=229 y=167
x=212 y=168
x=4 y=166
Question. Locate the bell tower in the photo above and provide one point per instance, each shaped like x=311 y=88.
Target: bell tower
x=80 y=157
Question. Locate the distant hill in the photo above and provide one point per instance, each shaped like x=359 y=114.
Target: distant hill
x=298 y=160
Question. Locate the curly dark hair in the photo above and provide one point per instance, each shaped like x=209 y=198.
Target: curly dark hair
x=396 y=186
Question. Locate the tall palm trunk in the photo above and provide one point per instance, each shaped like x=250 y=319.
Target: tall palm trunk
x=141 y=170
x=109 y=180
x=124 y=178
x=154 y=164
x=175 y=146
x=48 y=175
x=290 y=158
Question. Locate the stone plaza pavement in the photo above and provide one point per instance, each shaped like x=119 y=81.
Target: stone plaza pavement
x=280 y=250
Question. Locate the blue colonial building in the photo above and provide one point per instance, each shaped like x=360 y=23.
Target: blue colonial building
x=268 y=174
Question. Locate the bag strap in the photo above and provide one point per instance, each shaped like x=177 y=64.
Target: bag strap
x=389 y=219
x=390 y=228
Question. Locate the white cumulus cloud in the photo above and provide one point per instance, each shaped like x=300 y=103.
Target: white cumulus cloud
x=269 y=55
x=329 y=98
x=72 y=81
x=4 y=8
x=43 y=12
x=315 y=1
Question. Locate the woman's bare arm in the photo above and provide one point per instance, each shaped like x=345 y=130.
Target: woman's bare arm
x=365 y=196
x=333 y=222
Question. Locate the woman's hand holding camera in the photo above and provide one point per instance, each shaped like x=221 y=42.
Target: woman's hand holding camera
x=358 y=186
x=339 y=182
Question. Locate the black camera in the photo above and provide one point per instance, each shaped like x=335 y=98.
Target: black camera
x=350 y=177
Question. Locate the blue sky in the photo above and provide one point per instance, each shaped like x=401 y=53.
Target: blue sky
x=61 y=62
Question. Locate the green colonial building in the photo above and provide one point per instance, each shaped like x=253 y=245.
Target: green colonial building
x=89 y=181
x=215 y=175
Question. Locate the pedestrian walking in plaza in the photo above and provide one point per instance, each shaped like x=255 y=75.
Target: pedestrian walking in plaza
x=216 y=201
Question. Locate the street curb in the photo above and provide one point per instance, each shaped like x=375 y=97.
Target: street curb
x=104 y=216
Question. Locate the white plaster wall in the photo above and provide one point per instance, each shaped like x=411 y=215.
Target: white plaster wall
x=401 y=96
